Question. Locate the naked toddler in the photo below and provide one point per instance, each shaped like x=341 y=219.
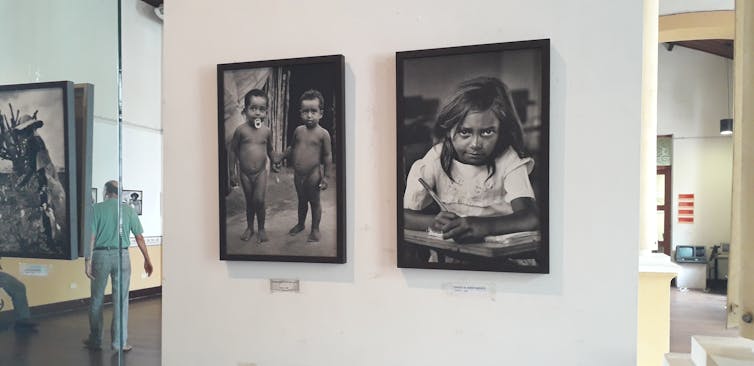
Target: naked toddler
x=252 y=145
x=310 y=151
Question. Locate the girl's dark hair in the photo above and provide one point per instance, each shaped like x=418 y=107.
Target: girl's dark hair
x=480 y=95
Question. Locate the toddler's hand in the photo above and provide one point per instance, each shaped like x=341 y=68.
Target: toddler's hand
x=277 y=158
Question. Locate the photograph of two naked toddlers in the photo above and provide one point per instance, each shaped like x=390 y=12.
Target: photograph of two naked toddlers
x=280 y=166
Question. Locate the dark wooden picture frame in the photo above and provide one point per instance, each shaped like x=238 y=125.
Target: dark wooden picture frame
x=38 y=171
x=275 y=91
x=84 y=117
x=473 y=123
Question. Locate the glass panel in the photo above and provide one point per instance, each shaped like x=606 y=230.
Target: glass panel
x=660 y=189
x=660 y=226
x=664 y=150
x=61 y=145
x=141 y=176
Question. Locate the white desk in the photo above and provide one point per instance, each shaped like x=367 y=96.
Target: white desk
x=692 y=275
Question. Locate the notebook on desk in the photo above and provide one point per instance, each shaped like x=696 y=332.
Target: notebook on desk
x=491 y=247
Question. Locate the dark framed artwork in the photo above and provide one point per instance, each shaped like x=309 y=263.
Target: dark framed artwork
x=83 y=101
x=473 y=157
x=281 y=149
x=133 y=198
x=38 y=171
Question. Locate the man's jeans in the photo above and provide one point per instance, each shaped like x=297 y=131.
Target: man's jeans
x=104 y=264
x=17 y=292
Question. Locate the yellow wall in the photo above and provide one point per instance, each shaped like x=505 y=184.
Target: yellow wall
x=66 y=279
x=654 y=317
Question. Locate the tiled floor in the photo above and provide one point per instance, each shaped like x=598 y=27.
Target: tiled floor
x=695 y=312
x=58 y=340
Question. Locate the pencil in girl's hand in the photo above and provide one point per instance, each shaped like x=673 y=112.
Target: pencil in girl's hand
x=433 y=194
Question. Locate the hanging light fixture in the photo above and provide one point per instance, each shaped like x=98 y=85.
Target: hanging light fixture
x=726 y=124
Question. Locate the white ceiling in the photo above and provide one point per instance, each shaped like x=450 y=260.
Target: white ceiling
x=685 y=6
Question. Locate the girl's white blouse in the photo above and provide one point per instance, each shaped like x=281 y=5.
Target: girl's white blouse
x=472 y=192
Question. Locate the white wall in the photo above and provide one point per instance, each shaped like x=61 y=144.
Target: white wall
x=142 y=108
x=142 y=65
x=49 y=40
x=142 y=170
x=368 y=312
x=693 y=92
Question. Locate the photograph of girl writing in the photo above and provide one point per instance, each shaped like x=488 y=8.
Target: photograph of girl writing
x=473 y=157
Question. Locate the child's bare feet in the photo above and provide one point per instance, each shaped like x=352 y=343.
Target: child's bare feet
x=247 y=234
x=262 y=236
x=296 y=229
x=314 y=236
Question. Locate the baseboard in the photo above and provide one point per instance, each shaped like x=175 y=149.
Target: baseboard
x=78 y=304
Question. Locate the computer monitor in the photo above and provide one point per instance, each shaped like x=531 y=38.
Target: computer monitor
x=690 y=253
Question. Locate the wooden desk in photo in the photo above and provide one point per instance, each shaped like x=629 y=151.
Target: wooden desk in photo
x=495 y=248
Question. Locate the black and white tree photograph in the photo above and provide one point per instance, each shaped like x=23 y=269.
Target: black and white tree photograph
x=37 y=171
x=281 y=160
x=473 y=157
x=133 y=198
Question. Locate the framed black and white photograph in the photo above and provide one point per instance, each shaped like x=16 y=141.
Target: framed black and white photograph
x=281 y=149
x=133 y=198
x=38 y=171
x=94 y=196
x=473 y=157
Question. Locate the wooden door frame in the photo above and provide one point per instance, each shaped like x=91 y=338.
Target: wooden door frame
x=667 y=241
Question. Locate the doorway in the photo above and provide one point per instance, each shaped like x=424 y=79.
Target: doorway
x=664 y=209
x=694 y=193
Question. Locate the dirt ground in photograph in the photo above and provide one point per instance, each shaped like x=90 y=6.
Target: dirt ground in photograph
x=282 y=215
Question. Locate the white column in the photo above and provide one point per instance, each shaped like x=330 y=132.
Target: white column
x=742 y=237
x=648 y=165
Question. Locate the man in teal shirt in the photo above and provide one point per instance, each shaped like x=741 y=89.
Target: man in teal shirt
x=106 y=250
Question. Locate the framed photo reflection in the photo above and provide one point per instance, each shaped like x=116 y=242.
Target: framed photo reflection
x=133 y=198
x=38 y=171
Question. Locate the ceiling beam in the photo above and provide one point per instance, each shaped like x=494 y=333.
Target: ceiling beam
x=719 y=47
x=154 y=3
x=697 y=25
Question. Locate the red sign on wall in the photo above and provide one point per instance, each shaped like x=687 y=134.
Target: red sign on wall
x=686 y=208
